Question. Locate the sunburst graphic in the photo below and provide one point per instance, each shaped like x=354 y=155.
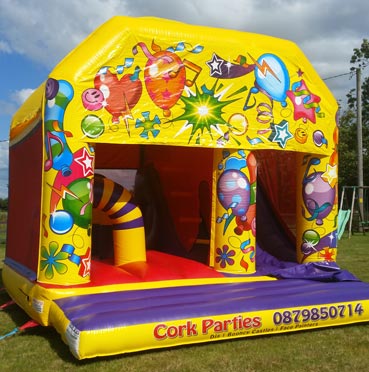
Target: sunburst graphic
x=203 y=110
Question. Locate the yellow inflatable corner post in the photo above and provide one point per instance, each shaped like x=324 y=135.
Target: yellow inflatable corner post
x=65 y=255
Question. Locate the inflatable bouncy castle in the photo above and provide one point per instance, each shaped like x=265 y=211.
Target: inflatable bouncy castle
x=174 y=184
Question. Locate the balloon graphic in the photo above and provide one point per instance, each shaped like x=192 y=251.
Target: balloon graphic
x=310 y=239
x=319 y=139
x=311 y=236
x=272 y=77
x=120 y=95
x=318 y=197
x=234 y=191
x=79 y=208
x=92 y=126
x=61 y=222
x=165 y=77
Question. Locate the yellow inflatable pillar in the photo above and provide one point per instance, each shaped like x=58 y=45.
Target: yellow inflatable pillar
x=233 y=247
x=316 y=215
x=65 y=233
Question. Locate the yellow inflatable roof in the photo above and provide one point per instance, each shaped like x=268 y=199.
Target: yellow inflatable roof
x=148 y=80
x=28 y=115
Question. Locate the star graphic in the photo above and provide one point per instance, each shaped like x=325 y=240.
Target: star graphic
x=305 y=103
x=333 y=238
x=282 y=134
x=328 y=254
x=215 y=65
x=330 y=175
x=86 y=161
x=85 y=267
x=299 y=72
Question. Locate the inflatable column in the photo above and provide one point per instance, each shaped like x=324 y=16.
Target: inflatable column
x=233 y=243
x=65 y=234
x=316 y=215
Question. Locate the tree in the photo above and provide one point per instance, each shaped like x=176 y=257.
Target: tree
x=360 y=59
x=3 y=204
x=348 y=129
x=347 y=149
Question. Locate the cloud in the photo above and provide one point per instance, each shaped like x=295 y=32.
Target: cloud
x=4 y=47
x=16 y=98
x=7 y=108
x=46 y=32
x=20 y=96
x=4 y=147
x=326 y=31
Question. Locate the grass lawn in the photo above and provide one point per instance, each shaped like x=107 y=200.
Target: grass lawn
x=328 y=349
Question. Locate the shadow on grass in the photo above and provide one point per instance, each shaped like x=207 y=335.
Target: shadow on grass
x=18 y=317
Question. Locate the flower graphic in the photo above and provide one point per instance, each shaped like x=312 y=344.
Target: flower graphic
x=50 y=260
x=224 y=256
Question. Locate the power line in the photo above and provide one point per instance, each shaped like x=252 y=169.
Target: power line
x=336 y=76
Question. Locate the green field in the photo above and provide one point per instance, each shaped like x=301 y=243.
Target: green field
x=3 y=218
x=328 y=349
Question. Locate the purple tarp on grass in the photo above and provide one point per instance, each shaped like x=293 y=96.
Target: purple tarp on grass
x=266 y=264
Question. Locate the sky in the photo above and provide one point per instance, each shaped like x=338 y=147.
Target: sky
x=36 y=34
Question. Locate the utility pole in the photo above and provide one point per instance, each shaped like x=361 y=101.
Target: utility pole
x=360 y=144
